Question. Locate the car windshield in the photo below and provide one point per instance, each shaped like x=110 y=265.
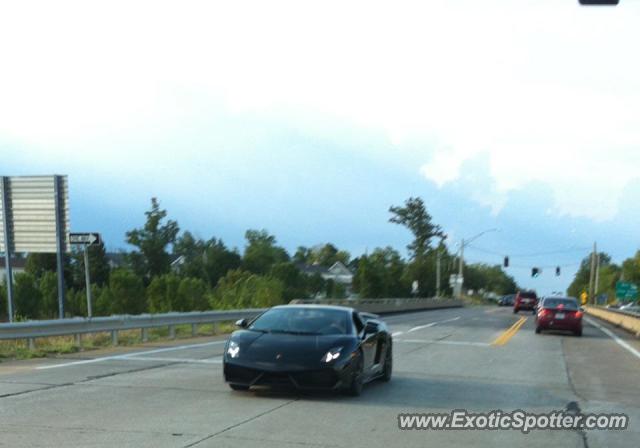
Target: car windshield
x=302 y=321
x=567 y=304
x=528 y=295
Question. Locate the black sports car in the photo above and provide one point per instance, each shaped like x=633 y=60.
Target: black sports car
x=309 y=347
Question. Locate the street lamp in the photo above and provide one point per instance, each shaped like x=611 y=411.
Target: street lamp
x=464 y=243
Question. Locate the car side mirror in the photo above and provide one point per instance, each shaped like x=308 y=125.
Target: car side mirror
x=371 y=327
x=582 y=309
x=242 y=323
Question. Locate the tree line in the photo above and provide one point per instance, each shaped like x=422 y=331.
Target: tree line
x=609 y=274
x=169 y=270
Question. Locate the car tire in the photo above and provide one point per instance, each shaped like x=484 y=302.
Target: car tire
x=515 y=311
x=388 y=365
x=239 y=387
x=538 y=330
x=355 y=388
x=578 y=333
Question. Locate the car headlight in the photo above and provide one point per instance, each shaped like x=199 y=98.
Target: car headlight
x=332 y=354
x=233 y=350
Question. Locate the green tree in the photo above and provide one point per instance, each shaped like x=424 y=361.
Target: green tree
x=162 y=293
x=27 y=296
x=37 y=264
x=631 y=269
x=382 y=274
x=3 y=301
x=126 y=293
x=580 y=281
x=48 y=285
x=294 y=282
x=414 y=216
x=207 y=260
x=261 y=252
x=99 y=268
x=218 y=260
x=368 y=281
x=241 y=289
x=152 y=259
x=192 y=295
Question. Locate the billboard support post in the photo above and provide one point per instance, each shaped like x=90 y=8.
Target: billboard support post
x=4 y=185
x=60 y=242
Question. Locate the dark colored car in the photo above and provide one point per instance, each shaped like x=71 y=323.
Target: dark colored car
x=309 y=347
x=506 y=300
x=525 y=300
x=559 y=313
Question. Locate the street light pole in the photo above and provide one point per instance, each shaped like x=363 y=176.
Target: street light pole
x=460 y=282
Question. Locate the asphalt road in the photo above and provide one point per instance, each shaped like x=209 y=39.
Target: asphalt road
x=173 y=395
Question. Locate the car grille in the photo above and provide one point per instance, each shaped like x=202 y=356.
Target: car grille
x=318 y=378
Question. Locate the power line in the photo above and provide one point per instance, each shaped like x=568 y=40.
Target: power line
x=531 y=255
x=566 y=265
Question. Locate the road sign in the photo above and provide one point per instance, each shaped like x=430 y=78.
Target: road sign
x=87 y=238
x=584 y=297
x=34 y=217
x=626 y=291
x=36 y=209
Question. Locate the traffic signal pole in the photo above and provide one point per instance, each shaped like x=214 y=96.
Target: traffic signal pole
x=592 y=296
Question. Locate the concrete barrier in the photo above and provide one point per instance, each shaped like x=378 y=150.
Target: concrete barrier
x=628 y=321
x=385 y=306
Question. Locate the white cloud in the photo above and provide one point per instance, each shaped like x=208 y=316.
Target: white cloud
x=550 y=90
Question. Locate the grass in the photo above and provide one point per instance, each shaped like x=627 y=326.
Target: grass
x=60 y=345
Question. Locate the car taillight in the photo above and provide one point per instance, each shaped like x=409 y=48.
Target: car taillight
x=578 y=315
x=544 y=313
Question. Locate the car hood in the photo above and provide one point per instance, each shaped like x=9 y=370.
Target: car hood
x=270 y=347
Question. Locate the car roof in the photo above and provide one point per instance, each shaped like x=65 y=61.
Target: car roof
x=346 y=309
x=566 y=299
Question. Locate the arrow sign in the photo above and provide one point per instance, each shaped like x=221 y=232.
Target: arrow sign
x=89 y=238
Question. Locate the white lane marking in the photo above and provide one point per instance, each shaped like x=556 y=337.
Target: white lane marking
x=182 y=360
x=613 y=336
x=129 y=355
x=435 y=341
x=432 y=324
x=397 y=333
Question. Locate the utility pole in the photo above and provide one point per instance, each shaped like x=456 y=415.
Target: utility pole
x=460 y=268
x=597 y=276
x=438 y=273
x=592 y=296
x=87 y=280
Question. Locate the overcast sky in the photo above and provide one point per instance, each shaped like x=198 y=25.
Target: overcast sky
x=310 y=120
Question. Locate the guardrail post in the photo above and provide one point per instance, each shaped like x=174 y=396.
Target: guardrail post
x=32 y=344
x=194 y=329
x=216 y=327
x=78 y=338
x=114 y=337
x=172 y=332
x=144 y=335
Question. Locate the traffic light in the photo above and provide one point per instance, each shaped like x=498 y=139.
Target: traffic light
x=557 y=271
x=506 y=262
x=535 y=272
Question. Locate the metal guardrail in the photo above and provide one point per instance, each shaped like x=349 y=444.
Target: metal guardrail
x=78 y=326
x=381 y=306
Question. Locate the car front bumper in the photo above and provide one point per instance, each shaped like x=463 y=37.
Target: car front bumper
x=331 y=377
